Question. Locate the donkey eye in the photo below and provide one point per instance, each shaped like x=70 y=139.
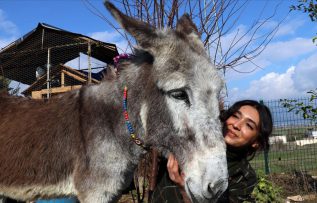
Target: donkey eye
x=179 y=94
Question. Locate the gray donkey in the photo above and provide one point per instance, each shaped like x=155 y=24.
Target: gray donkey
x=78 y=144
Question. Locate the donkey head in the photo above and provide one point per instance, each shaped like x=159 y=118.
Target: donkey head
x=180 y=107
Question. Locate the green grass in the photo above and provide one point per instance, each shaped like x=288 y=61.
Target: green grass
x=284 y=160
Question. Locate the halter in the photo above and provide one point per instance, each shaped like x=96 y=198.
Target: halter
x=134 y=138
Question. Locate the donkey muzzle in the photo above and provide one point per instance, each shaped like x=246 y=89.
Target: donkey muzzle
x=206 y=177
x=214 y=191
x=210 y=193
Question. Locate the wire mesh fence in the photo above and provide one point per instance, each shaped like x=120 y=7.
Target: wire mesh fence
x=48 y=60
x=293 y=143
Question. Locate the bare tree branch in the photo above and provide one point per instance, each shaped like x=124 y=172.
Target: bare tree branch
x=215 y=20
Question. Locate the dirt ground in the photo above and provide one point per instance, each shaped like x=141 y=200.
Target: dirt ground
x=296 y=184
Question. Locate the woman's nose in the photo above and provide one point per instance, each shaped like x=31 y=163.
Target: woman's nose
x=237 y=124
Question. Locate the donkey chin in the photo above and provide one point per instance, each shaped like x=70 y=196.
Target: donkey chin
x=206 y=176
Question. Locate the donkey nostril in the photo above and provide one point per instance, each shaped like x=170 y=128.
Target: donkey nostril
x=215 y=190
x=219 y=184
x=209 y=189
x=208 y=192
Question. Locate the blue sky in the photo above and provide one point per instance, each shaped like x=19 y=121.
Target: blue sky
x=288 y=66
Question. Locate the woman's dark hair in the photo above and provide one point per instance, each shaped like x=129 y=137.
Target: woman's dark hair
x=265 y=126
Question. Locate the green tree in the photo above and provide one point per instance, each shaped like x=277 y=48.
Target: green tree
x=5 y=86
x=4 y=83
x=308 y=111
x=309 y=7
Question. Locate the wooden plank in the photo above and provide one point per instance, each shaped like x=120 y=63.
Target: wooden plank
x=36 y=95
x=74 y=76
x=62 y=79
x=81 y=79
x=55 y=90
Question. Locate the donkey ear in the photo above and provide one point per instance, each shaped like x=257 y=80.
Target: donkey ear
x=142 y=32
x=185 y=25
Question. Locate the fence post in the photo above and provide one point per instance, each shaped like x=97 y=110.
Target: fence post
x=266 y=160
x=89 y=62
x=266 y=155
x=48 y=80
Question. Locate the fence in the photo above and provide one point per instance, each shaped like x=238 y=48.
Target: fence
x=49 y=60
x=293 y=142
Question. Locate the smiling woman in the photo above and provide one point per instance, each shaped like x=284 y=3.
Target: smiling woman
x=242 y=127
x=247 y=126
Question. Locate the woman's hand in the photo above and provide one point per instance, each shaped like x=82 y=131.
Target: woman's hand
x=177 y=176
x=173 y=171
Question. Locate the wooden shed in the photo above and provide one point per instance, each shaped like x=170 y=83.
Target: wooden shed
x=63 y=79
x=47 y=44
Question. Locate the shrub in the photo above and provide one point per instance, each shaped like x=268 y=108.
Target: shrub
x=266 y=191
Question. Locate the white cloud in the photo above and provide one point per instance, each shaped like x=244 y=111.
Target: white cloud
x=105 y=36
x=270 y=86
x=245 y=38
x=236 y=38
x=282 y=50
x=306 y=73
x=274 y=85
x=81 y=62
x=7 y=26
x=288 y=27
x=112 y=37
x=293 y=83
x=275 y=52
x=5 y=41
x=8 y=30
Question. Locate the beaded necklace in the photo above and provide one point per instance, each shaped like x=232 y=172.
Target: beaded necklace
x=135 y=139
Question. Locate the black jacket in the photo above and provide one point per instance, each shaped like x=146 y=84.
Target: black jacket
x=242 y=180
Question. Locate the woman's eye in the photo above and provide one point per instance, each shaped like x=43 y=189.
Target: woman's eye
x=250 y=126
x=179 y=95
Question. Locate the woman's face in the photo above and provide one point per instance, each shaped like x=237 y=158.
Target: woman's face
x=243 y=127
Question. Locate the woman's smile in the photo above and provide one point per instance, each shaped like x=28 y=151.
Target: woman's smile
x=232 y=134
